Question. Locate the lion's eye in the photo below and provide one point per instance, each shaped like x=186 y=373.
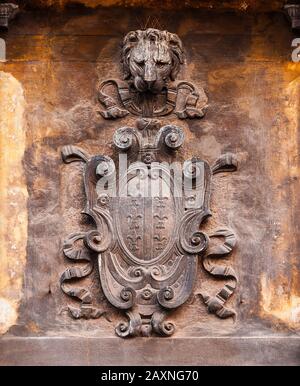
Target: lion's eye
x=132 y=38
x=161 y=64
x=174 y=42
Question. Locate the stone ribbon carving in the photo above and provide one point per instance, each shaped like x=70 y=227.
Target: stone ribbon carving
x=147 y=239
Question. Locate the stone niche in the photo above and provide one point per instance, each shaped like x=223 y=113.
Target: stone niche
x=241 y=57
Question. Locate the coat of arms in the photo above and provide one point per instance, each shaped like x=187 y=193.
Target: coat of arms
x=148 y=209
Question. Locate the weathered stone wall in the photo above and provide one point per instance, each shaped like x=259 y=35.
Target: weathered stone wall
x=241 y=5
x=13 y=199
x=243 y=61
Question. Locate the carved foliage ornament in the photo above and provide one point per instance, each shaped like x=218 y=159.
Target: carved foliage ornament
x=147 y=240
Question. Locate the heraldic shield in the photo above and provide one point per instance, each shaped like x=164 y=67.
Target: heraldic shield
x=148 y=214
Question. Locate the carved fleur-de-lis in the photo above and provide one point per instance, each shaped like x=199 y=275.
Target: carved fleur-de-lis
x=160 y=238
x=160 y=202
x=135 y=202
x=161 y=219
x=134 y=242
x=160 y=241
x=133 y=221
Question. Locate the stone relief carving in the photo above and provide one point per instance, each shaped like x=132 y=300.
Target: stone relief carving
x=148 y=247
x=293 y=13
x=148 y=240
x=7 y=12
x=151 y=61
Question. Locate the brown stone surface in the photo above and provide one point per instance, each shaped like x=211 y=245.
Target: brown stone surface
x=240 y=5
x=13 y=199
x=207 y=351
x=243 y=62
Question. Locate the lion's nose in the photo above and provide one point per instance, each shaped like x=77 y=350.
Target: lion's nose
x=150 y=85
x=150 y=73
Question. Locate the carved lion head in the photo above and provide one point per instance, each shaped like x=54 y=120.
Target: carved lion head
x=151 y=58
